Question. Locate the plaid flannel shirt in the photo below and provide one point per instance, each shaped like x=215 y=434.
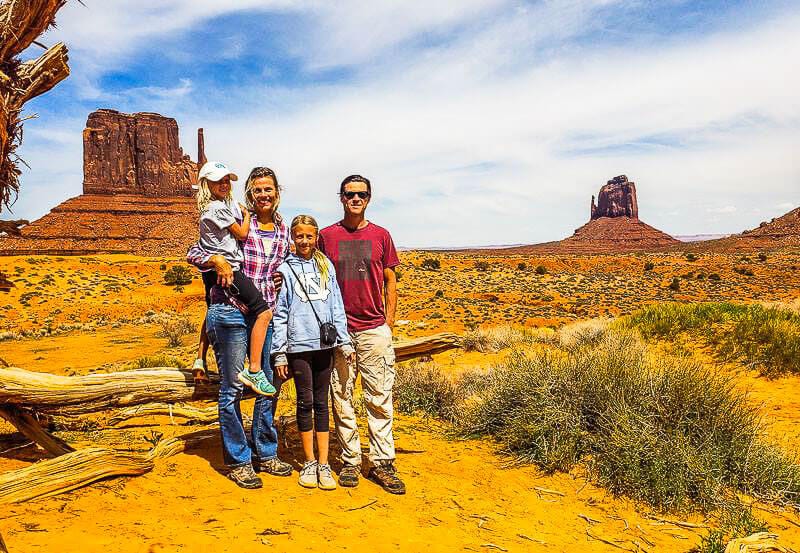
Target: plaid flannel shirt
x=259 y=265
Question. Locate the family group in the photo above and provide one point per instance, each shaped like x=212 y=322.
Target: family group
x=301 y=303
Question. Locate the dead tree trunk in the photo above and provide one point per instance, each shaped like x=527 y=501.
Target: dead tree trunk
x=52 y=394
x=83 y=467
x=21 y=22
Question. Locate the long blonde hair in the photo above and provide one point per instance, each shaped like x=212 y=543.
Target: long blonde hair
x=319 y=258
x=204 y=196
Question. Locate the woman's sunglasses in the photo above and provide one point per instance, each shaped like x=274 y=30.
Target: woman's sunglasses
x=351 y=195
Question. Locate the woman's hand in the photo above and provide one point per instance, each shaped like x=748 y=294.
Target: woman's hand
x=283 y=371
x=277 y=281
x=223 y=269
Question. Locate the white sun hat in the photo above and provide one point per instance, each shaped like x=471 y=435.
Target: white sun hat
x=215 y=170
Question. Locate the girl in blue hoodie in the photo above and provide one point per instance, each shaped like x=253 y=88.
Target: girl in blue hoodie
x=309 y=297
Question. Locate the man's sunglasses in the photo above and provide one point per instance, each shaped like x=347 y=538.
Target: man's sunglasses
x=351 y=195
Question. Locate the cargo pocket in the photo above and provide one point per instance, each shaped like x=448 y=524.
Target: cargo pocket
x=388 y=369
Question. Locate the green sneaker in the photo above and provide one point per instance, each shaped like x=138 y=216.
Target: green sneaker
x=257 y=382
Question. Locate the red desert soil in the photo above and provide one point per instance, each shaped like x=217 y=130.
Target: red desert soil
x=463 y=495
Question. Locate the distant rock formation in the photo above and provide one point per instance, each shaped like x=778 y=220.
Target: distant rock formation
x=12 y=227
x=614 y=226
x=616 y=199
x=780 y=232
x=135 y=154
x=137 y=198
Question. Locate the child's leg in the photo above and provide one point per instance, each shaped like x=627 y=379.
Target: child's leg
x=252 y=298
x=257 y=337
x=300 y=366
x=321 y=374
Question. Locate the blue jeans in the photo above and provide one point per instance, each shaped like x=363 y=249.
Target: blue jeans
x=228 y=333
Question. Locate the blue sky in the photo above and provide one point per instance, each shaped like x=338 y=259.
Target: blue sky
x=478 y=121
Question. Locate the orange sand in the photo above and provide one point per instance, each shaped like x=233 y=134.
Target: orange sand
x=462 y=496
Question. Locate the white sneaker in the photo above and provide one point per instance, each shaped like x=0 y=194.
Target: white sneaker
x=325 y=478
x=308 y=475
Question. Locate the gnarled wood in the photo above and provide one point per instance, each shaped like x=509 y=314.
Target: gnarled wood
x=31 y=429
x=21 y=22
x=73 y=395
x=194 y=414
x=85 y=466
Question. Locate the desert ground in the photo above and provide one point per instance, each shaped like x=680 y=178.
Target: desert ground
x=77 y=315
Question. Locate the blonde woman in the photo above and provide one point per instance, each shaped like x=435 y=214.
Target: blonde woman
x=309 y=324
x=265 y=248
x=220 y=233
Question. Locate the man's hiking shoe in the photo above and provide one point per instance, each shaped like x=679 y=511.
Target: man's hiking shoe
x=274 y=466
x=325 y=478
x=245 y=477
x=257 y=382
x=308 y=475
x=199 y=372
x=385 y=475
x=348 y=476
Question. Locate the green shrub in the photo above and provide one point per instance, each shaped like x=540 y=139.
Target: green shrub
x=762 y=257
x=482 y=265
x=541 y=270
x=431 y=264
x=174 y=329
x=691 y=257
x=767 y=338
x=735 y=521
x=438 y=294
x=160 y=360
x=521 y=266
x=714 y=276
x=423 y=388
x=649 y=266
x=662 y=430
x=178 y=275
x=675 y=285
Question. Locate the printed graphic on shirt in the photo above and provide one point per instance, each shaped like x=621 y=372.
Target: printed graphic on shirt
x=312 y=283
x=354 y=259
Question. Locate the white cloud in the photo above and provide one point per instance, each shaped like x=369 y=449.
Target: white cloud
x=502 y=133
x=723 y=209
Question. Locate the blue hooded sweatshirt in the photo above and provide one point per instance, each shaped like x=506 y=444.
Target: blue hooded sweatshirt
x=295 y=327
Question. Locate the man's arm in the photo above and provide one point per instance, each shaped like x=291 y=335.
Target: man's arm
x=390 y=294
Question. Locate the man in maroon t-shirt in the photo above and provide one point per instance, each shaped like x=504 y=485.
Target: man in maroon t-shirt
x=364 y=256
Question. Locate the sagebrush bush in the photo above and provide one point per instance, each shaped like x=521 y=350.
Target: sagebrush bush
x=160 y=360
x=766 y=338
x=175 y=328
x=422 y=388
x=662 y=429
x=504 y=336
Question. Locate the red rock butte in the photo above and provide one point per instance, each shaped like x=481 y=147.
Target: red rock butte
x=780 y=232
x=137 y=194
x=613 y=227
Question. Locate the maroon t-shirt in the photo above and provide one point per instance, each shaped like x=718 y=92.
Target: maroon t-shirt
x=360 y=256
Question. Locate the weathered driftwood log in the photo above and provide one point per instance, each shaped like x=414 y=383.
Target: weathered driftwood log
x=206 y=415
x=85 y=466
x=21 y=22
x=73 y=395
x=761 y=542
x=426 y=345
x=31 y=429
